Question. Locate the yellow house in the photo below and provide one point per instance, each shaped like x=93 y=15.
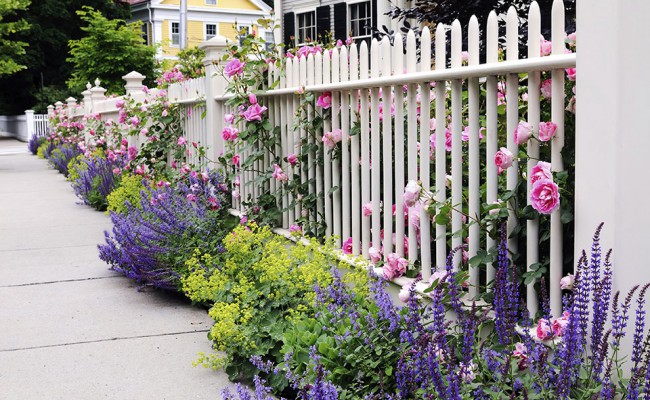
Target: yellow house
x=205 y=19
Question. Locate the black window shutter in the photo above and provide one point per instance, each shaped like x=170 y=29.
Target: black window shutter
x=373 y=22
x=340 y=21
x=322 y=22
x=289 y=24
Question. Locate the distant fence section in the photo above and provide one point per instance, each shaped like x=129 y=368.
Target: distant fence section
x=22 y=127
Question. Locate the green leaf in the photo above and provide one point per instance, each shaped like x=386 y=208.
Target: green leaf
x=529 y=212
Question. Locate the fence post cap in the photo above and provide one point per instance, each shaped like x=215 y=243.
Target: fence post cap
x=29 y=111
x=133 y=75
x=133 y=81
x=58 y=104
x=70 y=100
x=214 y=48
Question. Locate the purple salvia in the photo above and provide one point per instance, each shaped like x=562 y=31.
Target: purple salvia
x=620 y=322
x=639 y=328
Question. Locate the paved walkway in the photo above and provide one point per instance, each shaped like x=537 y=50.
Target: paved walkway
x=69 y=327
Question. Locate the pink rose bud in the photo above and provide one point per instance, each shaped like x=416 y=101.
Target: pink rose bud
x=182 y=141
x=235 y=160
x=523 y=132
x=367 y=209
x=567 y=282
x=292 y=159
x=571 y=74
x=324 y=100
x=547 y=131
x=347 y=246
x=374 y=254
x=560 y=324
x=252 y=98
x=229 y=118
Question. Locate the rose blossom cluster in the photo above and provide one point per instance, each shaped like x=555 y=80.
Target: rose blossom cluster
x=330 y=139
x=548 y=330
x=544 y=193
x=324 y=100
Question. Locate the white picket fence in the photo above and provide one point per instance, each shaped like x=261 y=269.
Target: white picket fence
x=375 y=165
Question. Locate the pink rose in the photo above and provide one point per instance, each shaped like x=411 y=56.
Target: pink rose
x=543 y=330
x=374 y=254
x=367 y=209
x=503 y=159
x=571 y=39
x=566 y=283
x=571 y=74
x=295 y=229
x=191 y=197
x=547 y=131
x=545 y=47
x=182 y=141
x=405 y=293
x=135 y=121
x=119 y=103
x=395 y=266
x=540 y=171
x=523 y=132
x=229 y=133
x=133 y=153
x=547 y=89
x=560 y=324
x=235 y=160
x=330 y=139
x=234 y=68
x=349 y=41
x=292 y=159
x=411 y=193
x=545 y=196
x=235 y=194
x=278 y=174
x=448 y=139
x=347 y=246
x=229 y=118
x=254 y=112
x=252 y=98
x=324 y=100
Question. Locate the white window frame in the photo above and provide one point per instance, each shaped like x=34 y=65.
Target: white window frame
x=248 y=27
x=171 y=34
x=210 y=2
x=145 y=32
x=297 y=27
x=205 y=30
x=356 y=4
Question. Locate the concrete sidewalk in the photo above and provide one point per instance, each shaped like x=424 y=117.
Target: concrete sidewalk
x=69 y=327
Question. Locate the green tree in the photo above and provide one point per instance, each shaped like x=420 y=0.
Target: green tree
x=111 y=48
x=11 y=49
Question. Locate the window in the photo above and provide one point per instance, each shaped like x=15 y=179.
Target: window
x=145 y=33
x=210 y=31
x=269 y=38
x=242 y=32
x=360 y=20
x=176 y=33
x=306 y=27
x=211 y=2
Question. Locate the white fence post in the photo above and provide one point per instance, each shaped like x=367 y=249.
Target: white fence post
x=29 y=121
x=72 y=104
x=611 y=151
x=214 y=49
x=133 y=88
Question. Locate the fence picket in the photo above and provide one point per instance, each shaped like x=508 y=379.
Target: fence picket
x=512 y=116
x=365 y=149
x=345 y=150
x=387 y=141
x=327 y=162
x=311 y=173
x=355 y=206
x=400 y=153
x=492 y=130
x=375 y=147
x=474 y=209
x=425 y=151
x=532 y=226
x=557 y=116
x=285 y=79
x=441 y=153
x=320 y=210
x=456 y=144
x=336 y=163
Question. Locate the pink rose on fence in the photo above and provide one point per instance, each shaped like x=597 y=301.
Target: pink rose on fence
x=547 y=89
x=164 y=113
x=448 y=139
x=292 y=159
x=503 y=159
x=182 y=141
x=560 y=324
x=566 y=283
x=547 y=131
x=545 y=196
x=254 y=112
x=229 y=133
x=252 y=98
x=119 y=103
x=229 y=118
x=235 y=194
x=234 y=68
x=374 y=254
x=347 y=246
x=466 y=133
x=236 y=160
x=540 y=171
x=135 y=121
x=545 y=47
x=133 y=153
x=523 y=132
x=349 y=41
x=395 y=266
x=278 y=174
x=543 y=330
x=367 y=209
x=295 y=229
x=324 y=100
x=571 y=74
x=405 y=293
x=330 y=139
x=412 y=193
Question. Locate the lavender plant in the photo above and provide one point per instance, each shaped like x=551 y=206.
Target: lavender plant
x=34 y=143
x=94 y=177
x=61 y=155
x=150 y=244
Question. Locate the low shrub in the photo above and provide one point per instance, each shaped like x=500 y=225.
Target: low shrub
x=93 y=178
x=127 y=194
x=259 y=288
x=34 y=143
x=151 y=244
x=45 y=149
x=61 y=155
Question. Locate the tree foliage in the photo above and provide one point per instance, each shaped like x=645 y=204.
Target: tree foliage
x=11 y=49
x=111 y=48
